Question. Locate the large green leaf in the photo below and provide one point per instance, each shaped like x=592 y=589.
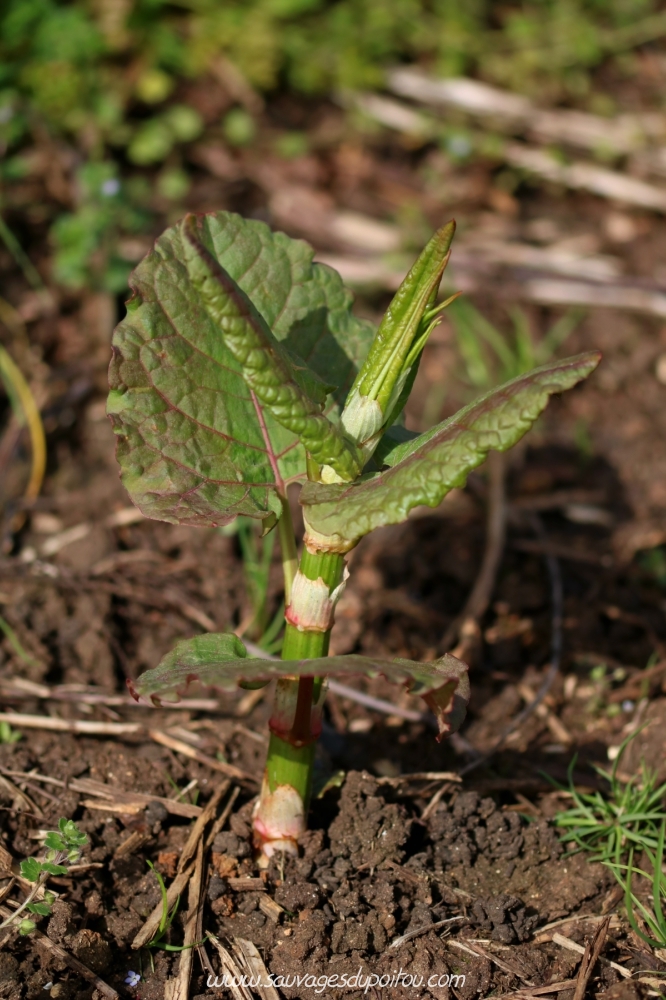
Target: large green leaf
x=219 y=659
x=290 y=392
x=423 y=470
x=195 y=446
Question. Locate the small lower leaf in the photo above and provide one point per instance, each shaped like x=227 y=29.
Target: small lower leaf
x=43 y=909
x=31 y=869
x=218 y=659
x=51 y=869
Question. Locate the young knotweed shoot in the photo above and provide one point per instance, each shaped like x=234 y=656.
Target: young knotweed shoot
x=239 y=370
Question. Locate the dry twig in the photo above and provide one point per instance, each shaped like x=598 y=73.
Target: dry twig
x=178 y=746
x=70 y=725
x=178 y=988
x=565 y=942
x=480 y=952
x=590 y=956
x=196 y=833
x=176 y=889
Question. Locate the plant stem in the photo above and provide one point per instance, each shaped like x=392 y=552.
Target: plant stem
x=31 y=895
x=302 y=644
x=285 y=795
x=288 y=548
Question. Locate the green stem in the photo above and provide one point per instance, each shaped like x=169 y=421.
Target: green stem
x=290 y=760
x=31 y=895
x=288 y=548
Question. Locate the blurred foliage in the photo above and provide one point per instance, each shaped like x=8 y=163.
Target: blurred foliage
x=109 y=75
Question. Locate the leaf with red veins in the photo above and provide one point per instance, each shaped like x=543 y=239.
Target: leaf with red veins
x=193 y=444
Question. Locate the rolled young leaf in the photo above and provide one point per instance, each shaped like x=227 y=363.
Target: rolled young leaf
x=423 y=470
x=193 y=444
x=382 y=386
x=219 y=660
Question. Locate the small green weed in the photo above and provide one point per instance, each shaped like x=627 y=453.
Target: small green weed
x=629 y=817
x=7 y=734
x=614 y=828
x=653 y=917
x=490 y=356
x=63 y=848
x=166 y=918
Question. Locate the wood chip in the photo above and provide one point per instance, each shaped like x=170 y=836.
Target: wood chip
x=132 y=844
x=178 y=746
x=270 y=908
x=247 y=884
x=6 y=863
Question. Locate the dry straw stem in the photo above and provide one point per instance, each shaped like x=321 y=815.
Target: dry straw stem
x=196 y=833
x=565 y=942
x=178 y=988
x=343 y=690
x=229 y=968
x=538 y=991
x=176 y=889
x=114 y=796
x=20 y=688
x=252 y=965
x=474 y=948
x=591 y=954
x=178 y=885
x=516 y=113
x=71 y=726
x=178 y=746
x=19 y=797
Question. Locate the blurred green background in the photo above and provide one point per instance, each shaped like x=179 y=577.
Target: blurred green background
x=108 y=83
